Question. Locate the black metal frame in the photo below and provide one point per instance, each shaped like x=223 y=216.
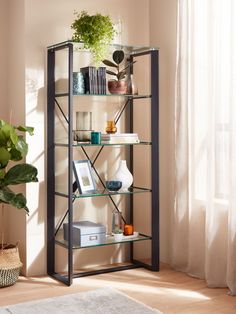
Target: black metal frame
x=51 y=228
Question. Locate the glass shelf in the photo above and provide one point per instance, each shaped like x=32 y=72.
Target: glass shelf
x=109 y=240
x=105 y=192
x=80 y=47
x=87 y=144
x=104 y=95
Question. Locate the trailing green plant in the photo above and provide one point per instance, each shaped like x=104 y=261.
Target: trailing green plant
x=95 y=31
x=118 y=231
x=118 y=57
x=14 y=148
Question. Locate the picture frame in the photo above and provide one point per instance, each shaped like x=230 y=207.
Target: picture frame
x=84 y=176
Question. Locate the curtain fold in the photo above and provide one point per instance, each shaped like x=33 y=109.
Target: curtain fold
x=204 y=216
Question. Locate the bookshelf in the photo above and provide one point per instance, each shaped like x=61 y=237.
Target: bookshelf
x=55 y=236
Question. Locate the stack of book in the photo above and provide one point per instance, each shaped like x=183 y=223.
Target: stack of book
x=94 y=80
x=120 y=138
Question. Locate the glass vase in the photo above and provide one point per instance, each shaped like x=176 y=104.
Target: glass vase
x=132 y=87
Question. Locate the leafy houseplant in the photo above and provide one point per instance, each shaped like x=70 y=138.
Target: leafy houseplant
x=118 y=235
x=118 y=231
x=96 y=31
x=118 y=85
x=13 y=147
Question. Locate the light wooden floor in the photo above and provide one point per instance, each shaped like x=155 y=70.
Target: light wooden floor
x=167 y=290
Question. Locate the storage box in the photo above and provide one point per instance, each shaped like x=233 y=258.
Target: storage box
x=86 y=233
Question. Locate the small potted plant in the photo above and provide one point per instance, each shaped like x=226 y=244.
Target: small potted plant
x=95 y=31
x=14 y=148
x=118 y=235
x=118 y=85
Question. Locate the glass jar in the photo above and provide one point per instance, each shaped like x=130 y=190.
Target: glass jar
x=116 y=221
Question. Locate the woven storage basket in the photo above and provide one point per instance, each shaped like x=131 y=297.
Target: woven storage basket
x=10 y=265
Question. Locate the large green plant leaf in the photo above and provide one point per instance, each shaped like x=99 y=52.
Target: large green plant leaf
x=3 y=139
x=118 y=56
x=18 y=200
x=6 y=195
x=22 y=173
x=8 y=135
x=14 y=147
x=13 y=136
x=111 y=72
x=6 y=129
x=28 y=129
x=4 y=157
x=22 y=146
x=110 y=63
x=15 y=154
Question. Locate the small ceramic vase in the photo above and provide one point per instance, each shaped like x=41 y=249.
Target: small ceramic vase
x=124 y=175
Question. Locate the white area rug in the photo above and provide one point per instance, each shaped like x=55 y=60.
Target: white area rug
x=100 y=301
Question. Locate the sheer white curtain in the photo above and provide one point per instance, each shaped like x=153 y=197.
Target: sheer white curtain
x=204 y=217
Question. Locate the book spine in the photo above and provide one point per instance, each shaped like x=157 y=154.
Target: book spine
x=91 y=80
x=105 y=80
x=99 y=79
x=95 y=80
x=85 y=72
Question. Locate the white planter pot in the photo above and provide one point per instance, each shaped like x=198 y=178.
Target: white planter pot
x=118 y=237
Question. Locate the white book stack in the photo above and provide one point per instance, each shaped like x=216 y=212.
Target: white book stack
x=120 y=138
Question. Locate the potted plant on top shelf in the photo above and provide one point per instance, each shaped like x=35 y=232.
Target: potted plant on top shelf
x=118 y=85
x=13 y=148
x=95 y=31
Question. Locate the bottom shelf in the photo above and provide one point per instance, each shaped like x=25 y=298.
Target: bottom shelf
x=102 y=269
x=109 y=240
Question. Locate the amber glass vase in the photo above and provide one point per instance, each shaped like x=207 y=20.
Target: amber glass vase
x=111 y=127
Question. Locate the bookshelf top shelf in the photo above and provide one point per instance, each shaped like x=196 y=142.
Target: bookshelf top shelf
x=79 y=46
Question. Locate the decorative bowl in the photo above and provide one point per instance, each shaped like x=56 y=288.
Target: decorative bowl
x=113 y=185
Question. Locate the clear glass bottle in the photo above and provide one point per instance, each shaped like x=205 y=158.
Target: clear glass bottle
x=116 y=221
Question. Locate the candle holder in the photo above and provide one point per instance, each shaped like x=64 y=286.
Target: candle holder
x=95 y=137
x=128 y=230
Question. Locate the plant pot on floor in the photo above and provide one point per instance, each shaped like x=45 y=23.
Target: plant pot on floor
x=117 y=87
x=10 y=265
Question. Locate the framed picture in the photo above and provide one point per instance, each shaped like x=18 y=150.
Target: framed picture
x=84 y=177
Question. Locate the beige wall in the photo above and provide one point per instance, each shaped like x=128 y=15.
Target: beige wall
x=48 y=22
x=163 y=14
x=41 y=23
x=12 y=98
x=3 y=59
x=3 y=78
